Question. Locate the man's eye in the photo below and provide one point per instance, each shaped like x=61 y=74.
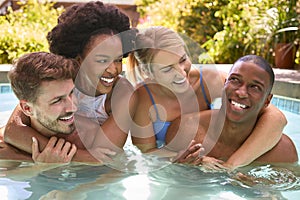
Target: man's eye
x=233 y=79
x=255 y=88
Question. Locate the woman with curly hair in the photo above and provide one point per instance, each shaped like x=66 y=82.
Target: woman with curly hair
x=98 y=36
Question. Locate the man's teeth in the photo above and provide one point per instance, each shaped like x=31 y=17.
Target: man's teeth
x=108 y=80
x=180 y=81
x=66 y=118
x=236 y=104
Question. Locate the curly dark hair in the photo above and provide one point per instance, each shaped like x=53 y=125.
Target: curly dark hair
x=80 y=21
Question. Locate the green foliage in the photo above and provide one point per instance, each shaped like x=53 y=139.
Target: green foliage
x=249 y=27
x=162 y=12
x=226 y=29
x=25 y=29
x=194 y=19
x=198 y=19
x=286 y=24
x=286 y=27
x=228 y=44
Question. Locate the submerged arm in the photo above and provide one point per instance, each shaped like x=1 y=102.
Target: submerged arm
x=264 y=137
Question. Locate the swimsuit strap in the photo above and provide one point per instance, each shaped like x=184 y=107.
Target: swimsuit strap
x=152 y=100
x=203 y=90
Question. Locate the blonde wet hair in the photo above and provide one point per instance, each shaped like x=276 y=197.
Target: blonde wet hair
x=147 y=44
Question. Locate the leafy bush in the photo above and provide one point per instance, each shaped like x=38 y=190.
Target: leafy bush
x=225 y=29
x=25 y=29
x=249 y=27
x=193 y=19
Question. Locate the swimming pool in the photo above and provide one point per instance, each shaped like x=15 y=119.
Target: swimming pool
x=136 y=176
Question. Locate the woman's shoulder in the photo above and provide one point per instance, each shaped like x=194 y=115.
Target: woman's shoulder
x=123 y=83
x=123 y=80
x=212 y=73
x=205 y=72
x=194 y=72
x=194 y=75
x=147 y=89
x=142 y=87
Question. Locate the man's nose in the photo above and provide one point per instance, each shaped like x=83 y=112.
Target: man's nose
x=71 y=103
x=242 y=91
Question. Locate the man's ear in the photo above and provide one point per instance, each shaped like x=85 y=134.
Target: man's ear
x=268 y=100
x=26 y=107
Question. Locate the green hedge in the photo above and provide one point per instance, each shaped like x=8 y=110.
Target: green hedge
x=24 y=30
x=225 y=29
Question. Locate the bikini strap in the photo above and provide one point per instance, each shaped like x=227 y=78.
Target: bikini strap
x=152 y=100
x=203 y=89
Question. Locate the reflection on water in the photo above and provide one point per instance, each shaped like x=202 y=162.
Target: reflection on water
x=274 y=179
x=270 y=177
x=136 y=176
x=75 y=173
x=189 y=176
x=10 y=189
x=133 y=161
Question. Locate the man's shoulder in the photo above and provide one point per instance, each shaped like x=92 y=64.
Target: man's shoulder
x=283 y=152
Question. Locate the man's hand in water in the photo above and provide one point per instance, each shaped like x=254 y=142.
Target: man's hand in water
x=56 y=151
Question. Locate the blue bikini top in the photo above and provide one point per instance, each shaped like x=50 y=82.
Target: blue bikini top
x=209 y=105
x=161 y=127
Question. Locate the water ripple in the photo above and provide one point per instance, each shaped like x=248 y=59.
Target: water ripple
x=268 y=177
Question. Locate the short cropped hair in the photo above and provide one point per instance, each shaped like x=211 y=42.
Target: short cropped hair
x=262 y=63
x=30 y=70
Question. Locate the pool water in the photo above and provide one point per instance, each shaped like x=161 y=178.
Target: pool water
x=160 y=180
x=133 y=175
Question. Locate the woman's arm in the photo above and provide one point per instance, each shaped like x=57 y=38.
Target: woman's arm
x=114 y=131
x=142 y=133
x=141 y=130
x=213 y=81
x=18 y=132
x=264 y=137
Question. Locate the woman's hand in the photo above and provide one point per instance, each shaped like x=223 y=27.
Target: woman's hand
x=190 y=155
